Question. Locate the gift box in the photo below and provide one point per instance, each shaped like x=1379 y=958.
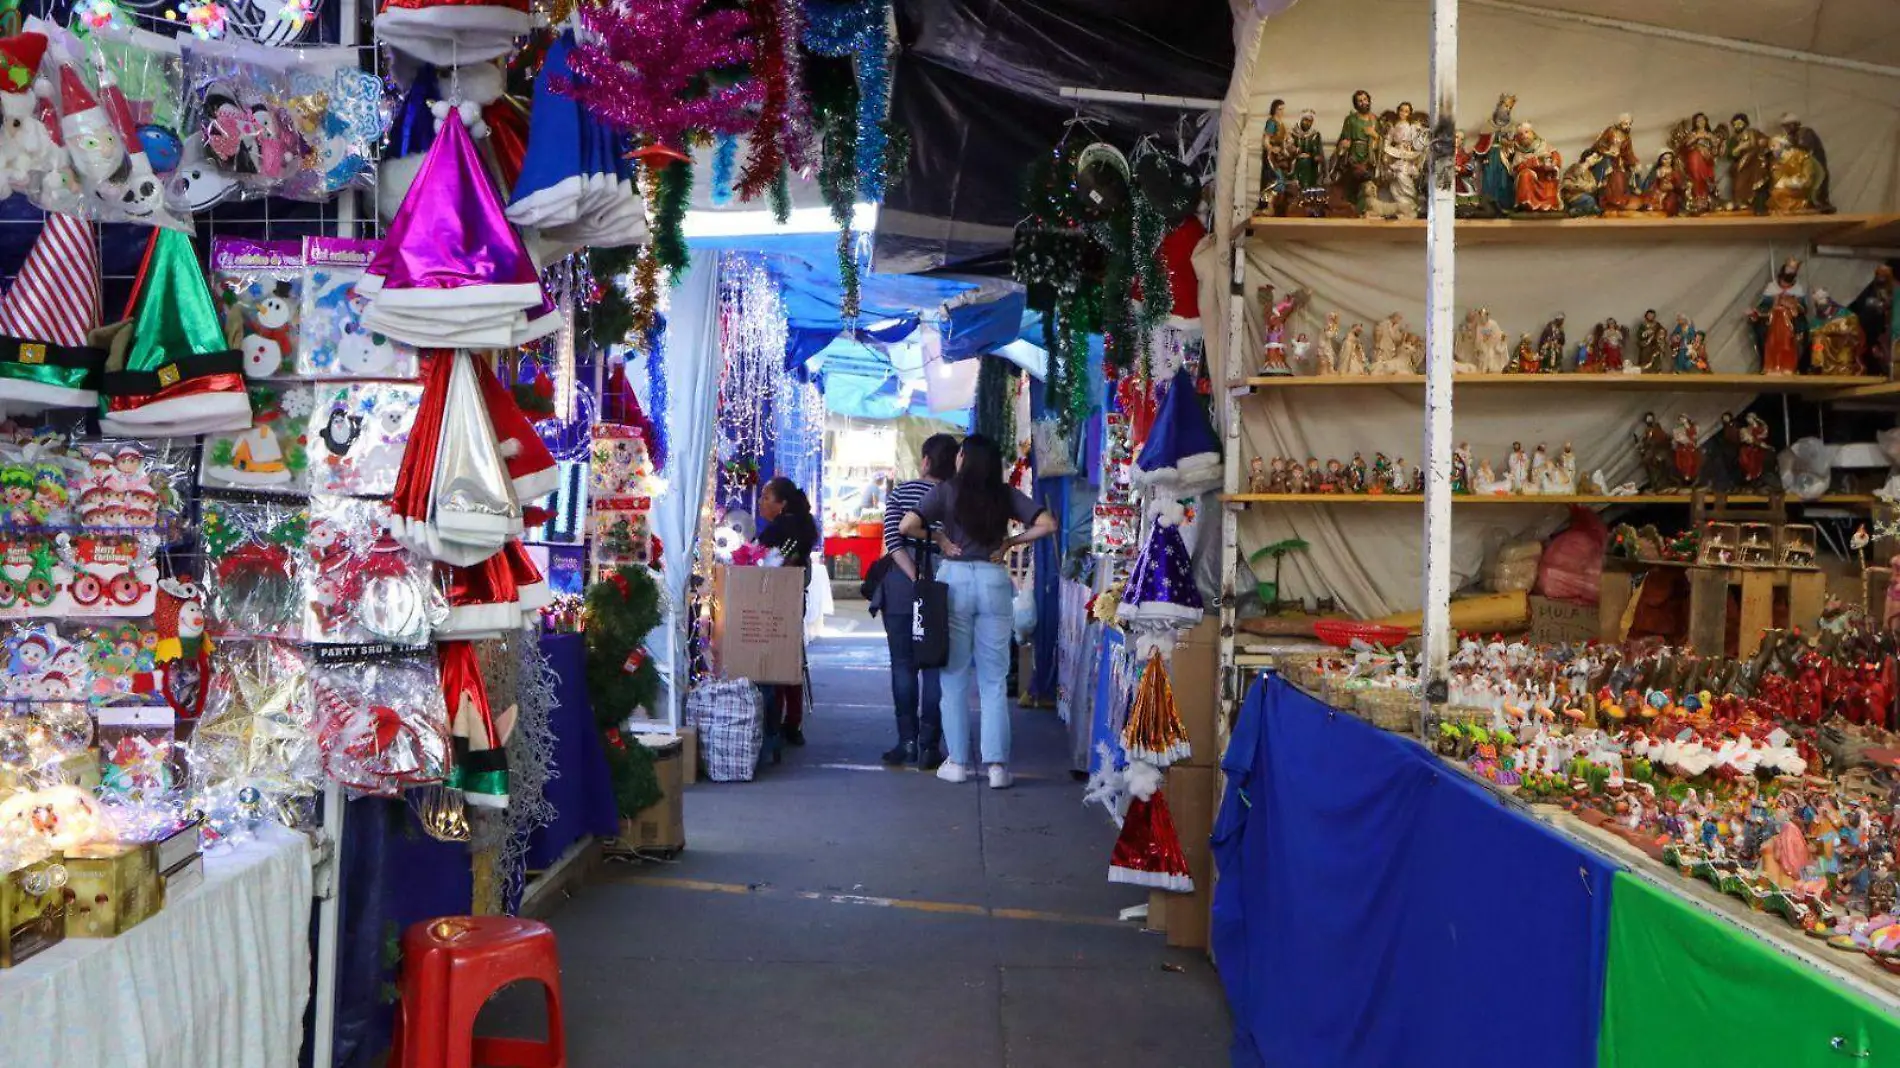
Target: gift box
x=184 y=877
x=177 y=846
x=32 y=916
x=111 y=887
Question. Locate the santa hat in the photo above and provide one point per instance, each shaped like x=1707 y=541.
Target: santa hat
x=1161 y=587
x=480 y=737
x=484 y=600
x=1182 y=455
x=531 y=467
x=1148 y=851
x=1154 y=733
x=454 y=501
x=1177 y=258
x=451 y=33
x=452 y=272
x=45 y=319
x=576 y=183
x=411 y=132
x=169 y=373
x=20 y=57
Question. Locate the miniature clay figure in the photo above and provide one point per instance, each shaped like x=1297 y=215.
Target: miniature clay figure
x=1461 y=468
x=1665 y=192
x=1526 y=361
x=1358 y=158
x=1517 y=468
x=1778 y=320
x=1652 y=344
x=1758 y=472
x=1356 y=474
x=1656 y=453
x=1750 y=155
x=1497 y=178
x=1493 y=346
x=1537 y=170
x=1308 y=156
x=1799 y=181
x=1326 y=349
x=1580 y=187
x=1698 y=145
x=1837 y=340
x=1615 y=168
x=1609 y=344
x=1550 y=345
x=1687 y=452
x=1257 y=481
x=1352 y=352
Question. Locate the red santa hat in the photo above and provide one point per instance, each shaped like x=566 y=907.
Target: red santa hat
x=454 y=501
x=530 y=464
x=530 y=585
x=1148 y=853
x=479 y=736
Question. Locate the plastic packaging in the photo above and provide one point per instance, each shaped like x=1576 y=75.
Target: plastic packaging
x=365 y=586
x=357 y=433
x=1806 y=468
x=1572 y=562
x=99 y=94
x=382 y=725
x=333 y=342
x=259 y=287
x=272 y=455
x=253 y=585
x=1514 y=568
x=337 y=112
x=239 y=139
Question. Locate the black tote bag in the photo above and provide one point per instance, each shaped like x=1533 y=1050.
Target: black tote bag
x=930 y=618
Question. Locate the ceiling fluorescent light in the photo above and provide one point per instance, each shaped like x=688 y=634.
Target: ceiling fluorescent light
x=759 y=221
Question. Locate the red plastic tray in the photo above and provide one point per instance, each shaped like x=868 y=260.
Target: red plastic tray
x=1342 y=633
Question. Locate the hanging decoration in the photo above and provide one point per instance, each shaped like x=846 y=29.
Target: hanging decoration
x=1061 y=264
x=725 y=160
x=782 y=137
x=861 y=32
x=996 y=381
x=643 y=69
x=673 y=193
x=621 y=611
x=656 y=393
x=1152 y=286
x=752 y=333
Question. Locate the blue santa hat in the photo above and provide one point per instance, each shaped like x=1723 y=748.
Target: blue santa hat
x=1182 y=455
x=1161 y=589
x=577 y=184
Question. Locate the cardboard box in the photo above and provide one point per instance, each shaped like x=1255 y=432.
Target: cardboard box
x=30 y=922
x=184 y=877
x=1191 y=803
x=660 y=827
x=689 y=755
x=1554 y=622
x=1194 y=675
x=759 y=623
x=111 y=888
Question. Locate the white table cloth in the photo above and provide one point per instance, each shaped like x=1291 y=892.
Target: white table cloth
x=217 y=979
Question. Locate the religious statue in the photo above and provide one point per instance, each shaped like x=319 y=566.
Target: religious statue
x=1493 y=346
x=1380 y=476
x=1356 y=474
x=1308 y=153
x=1615 y=166
x=1352 y=352
x=1751 y=160
x=1665 y=192
x=1412 y=353
x=1326 y=349
x=1402 y=160
x=1526 y=361
x=1654 y=451
x=1652 y=344
x=1461 y=468
x=1486 y=482
x=1275 y=316
x=1540 y=465
x=1699 y=353
x=1536 y=170
x=1698 y=145
x=1778 y=320
x=1464 y=343
x=1580 y=187
x=1609 y=346
x=1276 y=159
x=1560 y=479
x=1358 y=158
x=1837 y=339
x=1682 y=345
x=1756 y=461
x=1399 y=479
x=1257 y=481
x=1550 y=345
x=1589 y=360
x=1386 y=336
x=1874 y=306
x=1517 y=468
x=1799 y=182
x=1334 y=480
x=1497 y=185
x=1467 y=199
x=1686 y=452
x=1722 y=456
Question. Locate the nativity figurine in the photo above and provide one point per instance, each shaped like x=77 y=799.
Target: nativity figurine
x=1307 y=154
x=1608 y=340
x=1352 y=352
x=1464 y=343
x=1356 y=162
x=1525 y=360
x=1698 y=145
x=1550 y=345
x=1257 y=480
x=1686 y=453
x=1517 y=468
x=1486 y=482
x=1798 y=182
x=1666 y=190
x=1461 y=468
x=1402 y=162
x=1276 y=159
x=1386 y=337
x=1778 y=320
x=1837 y=340
x=1652 y=345
x=1467 y=199
x=1493 y=345
x=1326 y=349
x=1756 y=461
x=1537 y=169
x=1497 y=174
x=1356 y=474
x=1615 y=167
x=1580 y=187
x=1750 y=155
x=1874 y=306
x=1656 y=454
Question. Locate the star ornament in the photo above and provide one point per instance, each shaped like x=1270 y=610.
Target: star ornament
x=256 y=729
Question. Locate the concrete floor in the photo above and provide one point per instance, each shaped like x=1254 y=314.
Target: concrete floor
x=837 y=913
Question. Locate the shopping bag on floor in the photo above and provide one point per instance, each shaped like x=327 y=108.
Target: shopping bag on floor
x=730 y=717
x=930 y=618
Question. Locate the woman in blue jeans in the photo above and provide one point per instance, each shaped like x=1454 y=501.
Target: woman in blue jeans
x=975 y=508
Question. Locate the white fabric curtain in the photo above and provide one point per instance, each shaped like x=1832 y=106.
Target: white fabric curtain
x=693 y=361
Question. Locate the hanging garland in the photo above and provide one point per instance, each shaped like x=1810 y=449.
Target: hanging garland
x=781 y=138
x=835 y=109
x=611 y=321
x=673 y=191
x=861 y=32
x=725 y=160
x=1151 y=276
x=996 y=400
x=621 y=611
x=1062 y=264
x=642 y=67
x=656 y=393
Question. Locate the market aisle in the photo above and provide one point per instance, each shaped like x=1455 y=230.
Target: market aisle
x=766 y=944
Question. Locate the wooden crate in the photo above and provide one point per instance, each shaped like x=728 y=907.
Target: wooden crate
x=1805 y=591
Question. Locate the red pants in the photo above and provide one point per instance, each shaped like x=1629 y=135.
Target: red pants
x=787 y=703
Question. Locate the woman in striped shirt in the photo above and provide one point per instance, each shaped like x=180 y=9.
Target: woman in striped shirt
x=915 y=692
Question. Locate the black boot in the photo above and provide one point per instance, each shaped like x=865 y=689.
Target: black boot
x=794 y=736
x=929 y=759
x=902 y=753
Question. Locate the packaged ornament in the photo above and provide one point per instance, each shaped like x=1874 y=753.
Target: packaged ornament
x=32 y=160
x=259 y=291
x=99 y=127
x=357 y=434
x=135 y=748
x=332 y=341
x=364 y=585
x=42 y=666
x=107 y=574
x=337 y=113
x=253 y=753
x=120 y=660
x=382 y=724
x=125 y=486
x=35 y=486
x=253 y=584
x=181 y=652
x=273 y=454
x=240 y=140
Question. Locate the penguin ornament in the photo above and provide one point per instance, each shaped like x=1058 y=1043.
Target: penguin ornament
x=340 y=431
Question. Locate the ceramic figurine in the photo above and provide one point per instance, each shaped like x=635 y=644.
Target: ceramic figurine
x=1412 y=353
x=1464 y=344
x=1461 y=468
x=1874 y=306
x=1799 y=183
x=1326 y=349
x=1352 y=352
x=1357 y=160
x=1686 y=452
x=1295 y=477
x=1334 y=480
x=1615 y=166
x=1356 y=474
x=1756 y=461
x=1493 y=346
x=1380 y=475
x=1401 y=159
x=1837 y=338
x=1539 y=470
x=1561 y=478
x=1665 y=191
x=1468 y=202
x=1526 y=361
x=1400 y=477
x=1699 y=353
x=1517 y=468
x=1655 y=452
x=1722 y=455
x=1589 y=360
x=1778 y=321
x=1313 y=474
x=1580 y=187
x=1609 y=338
x=1750 y=155
x=1275 y=160
x=1307 y=153
x=1385 y=346
x=1275 y=316
x=1257 y=481
x=1497 y=178
x=1536 y=169
x=1652 y=345
x=1682 y=345
x=1486 y=482
x=1550 y=345
x=1698 y=145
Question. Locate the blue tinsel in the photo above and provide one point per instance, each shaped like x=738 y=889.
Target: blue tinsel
x=656 y=391
x=860 y=30
x=725 y=158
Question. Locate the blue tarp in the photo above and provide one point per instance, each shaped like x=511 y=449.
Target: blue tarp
x=1374 y=908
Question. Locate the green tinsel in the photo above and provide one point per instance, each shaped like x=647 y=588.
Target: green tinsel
x=995 y=400
x=780 y=196
x=669 y=218
x=1157 y=299
x=621 y=611
x=610 y=320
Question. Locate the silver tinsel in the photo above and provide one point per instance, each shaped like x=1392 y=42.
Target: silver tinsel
x=516 y=673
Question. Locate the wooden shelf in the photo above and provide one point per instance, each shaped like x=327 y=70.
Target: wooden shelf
x=1861 y=230
x=1860 y=499
x=1838 y=386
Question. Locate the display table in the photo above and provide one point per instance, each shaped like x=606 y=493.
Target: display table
x=218 y=978
x=865 y=549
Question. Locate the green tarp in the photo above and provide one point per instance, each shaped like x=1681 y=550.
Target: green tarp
x=1685 y=988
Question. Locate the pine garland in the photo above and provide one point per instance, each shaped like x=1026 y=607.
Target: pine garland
x=622 y=610
x=784 y=127
x=674 y=193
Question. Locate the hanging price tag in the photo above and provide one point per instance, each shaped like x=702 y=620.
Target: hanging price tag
x=634 y=660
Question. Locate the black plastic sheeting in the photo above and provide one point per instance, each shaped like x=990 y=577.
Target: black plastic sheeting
x=978 y=86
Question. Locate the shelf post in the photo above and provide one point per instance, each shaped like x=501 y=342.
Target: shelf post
x=1440 y=311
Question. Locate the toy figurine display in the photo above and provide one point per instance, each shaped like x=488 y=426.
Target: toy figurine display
x=1537 y=169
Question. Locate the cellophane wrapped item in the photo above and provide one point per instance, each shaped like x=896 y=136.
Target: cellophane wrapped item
x=254 y=750
x=382 y=724
x=254 y=583
x=364 y=586
x=107 y=93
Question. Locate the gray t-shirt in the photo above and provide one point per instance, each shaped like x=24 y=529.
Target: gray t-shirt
x=940 y=506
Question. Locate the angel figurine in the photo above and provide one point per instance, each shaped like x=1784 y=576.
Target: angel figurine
x=1698 y=145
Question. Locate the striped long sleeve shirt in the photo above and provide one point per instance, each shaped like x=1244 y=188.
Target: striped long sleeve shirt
x=904 y=498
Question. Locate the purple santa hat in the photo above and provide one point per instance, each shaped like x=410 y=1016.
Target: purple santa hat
x=1161 y=588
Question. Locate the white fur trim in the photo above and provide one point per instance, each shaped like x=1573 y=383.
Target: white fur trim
x=537 y=484
x=447 y=36
x=1154 y=880
x=474 y=294
x=1164 y=612
x=481 y=800
x=467 y=621
x=1198 y=472
x=1177 y=752
x=534 y=596
x=27 y=398
x=199 y=413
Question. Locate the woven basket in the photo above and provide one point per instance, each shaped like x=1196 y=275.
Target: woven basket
x=1388 y=709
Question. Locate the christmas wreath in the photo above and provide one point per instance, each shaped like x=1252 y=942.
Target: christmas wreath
x=622 y=610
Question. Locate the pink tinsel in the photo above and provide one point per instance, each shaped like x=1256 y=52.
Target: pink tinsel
x=640 y=58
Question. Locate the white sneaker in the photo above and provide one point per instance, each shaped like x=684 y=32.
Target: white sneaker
x=1000 y=778
x=951 y=771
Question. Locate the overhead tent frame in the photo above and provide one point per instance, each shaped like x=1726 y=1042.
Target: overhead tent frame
x=1222 y=264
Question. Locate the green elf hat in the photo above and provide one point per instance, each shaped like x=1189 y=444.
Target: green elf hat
x=45 y=319
x=170 y=373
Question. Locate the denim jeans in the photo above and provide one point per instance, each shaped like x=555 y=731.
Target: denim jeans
x=914 y=691
x=981 y=619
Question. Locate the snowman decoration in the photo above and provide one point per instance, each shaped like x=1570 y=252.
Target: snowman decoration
x=264 y=339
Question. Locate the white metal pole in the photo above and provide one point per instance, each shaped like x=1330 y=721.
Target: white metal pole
x=1440 y=267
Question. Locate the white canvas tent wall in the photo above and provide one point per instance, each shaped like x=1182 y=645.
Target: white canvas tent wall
x=1572 y=77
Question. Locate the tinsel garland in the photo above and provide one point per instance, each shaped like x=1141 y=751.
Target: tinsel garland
x=622 y=610
x=860 y=32
x=656 y=392
x=1151 y=276
x=996 y=400
x=1061 y=263
x=611 y=319
x=781 y=138
x=781 y=196
x=674 y=191
x=837 y=183
x=646 y=291
x=725 y=160
x=641 y=66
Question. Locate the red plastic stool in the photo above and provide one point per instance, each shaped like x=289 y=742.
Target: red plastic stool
x=450 y=968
